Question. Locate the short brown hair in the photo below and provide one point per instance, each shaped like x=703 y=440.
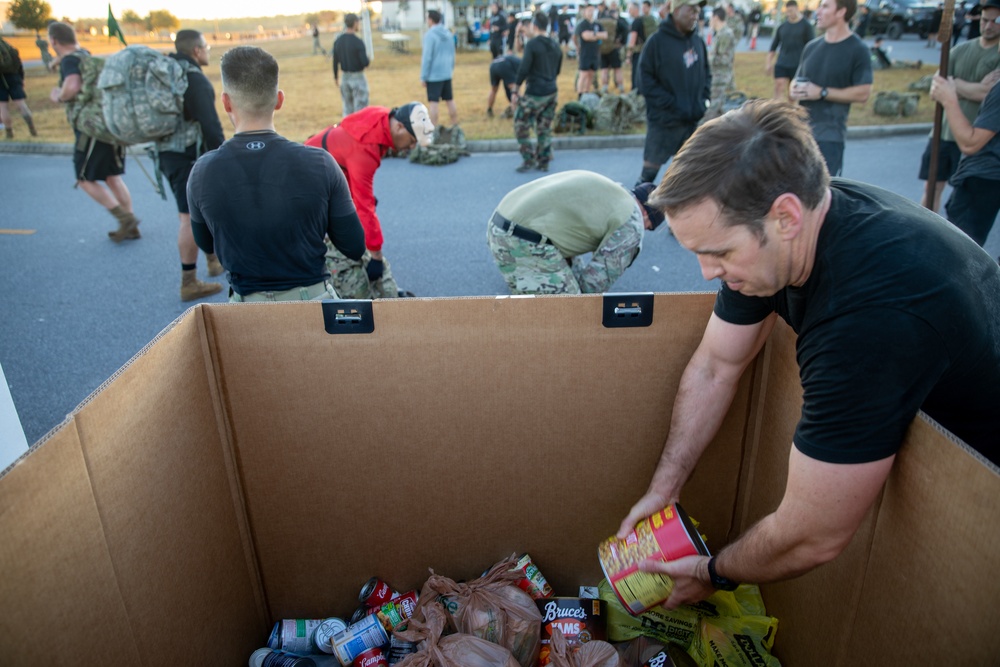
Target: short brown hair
x=745 y=160
x=250 y=78
x=851 y=6
x=61 y=32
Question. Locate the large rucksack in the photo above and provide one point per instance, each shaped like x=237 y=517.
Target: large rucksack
x=142 y=93
x=650 y=25
x=85 y=113
x=610 y=26
x=8 y=58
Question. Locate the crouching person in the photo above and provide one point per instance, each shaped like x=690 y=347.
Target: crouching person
x=265 y=204
x=540 y=230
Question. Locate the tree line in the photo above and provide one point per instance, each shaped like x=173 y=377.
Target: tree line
x=36 y=15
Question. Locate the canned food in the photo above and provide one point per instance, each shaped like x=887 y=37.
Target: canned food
x=399 y=649
x=406 y=603
x=376 y=593
x=534 y=583
x=361 y=612
x=268 y=657
x=358 y=638
x=580 y=620
x=664 y=536
x=294 y=635
x=373 y=657
x=323 y=637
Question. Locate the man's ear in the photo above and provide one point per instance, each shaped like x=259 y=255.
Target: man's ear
x=281 y=100
x=787 y=212
x=227 y=103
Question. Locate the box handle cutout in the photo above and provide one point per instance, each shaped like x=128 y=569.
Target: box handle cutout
x=628 y=310
x=348 y=316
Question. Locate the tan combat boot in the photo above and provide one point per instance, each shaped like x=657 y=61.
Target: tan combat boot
x=31 y=125
x=128 y=225
x=10 y=133
x=193 y=289
x=214 y=265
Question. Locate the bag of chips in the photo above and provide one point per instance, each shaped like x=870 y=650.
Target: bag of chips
x=450 y=651
x=491 y=608
x=591 y=654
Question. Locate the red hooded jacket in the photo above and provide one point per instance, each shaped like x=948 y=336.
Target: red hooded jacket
x=358 y=145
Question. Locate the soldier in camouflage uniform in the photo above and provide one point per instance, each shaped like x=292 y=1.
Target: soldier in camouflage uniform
x=540 y=230
x=537 y=107
x=735 y=22
x=722 y=60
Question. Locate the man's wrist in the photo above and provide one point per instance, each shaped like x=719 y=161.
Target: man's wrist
x=718 y=581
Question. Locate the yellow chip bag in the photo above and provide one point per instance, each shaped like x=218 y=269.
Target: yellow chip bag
x=736 y=642
x=679 y=626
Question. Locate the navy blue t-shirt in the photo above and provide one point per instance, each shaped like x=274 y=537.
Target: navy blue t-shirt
x=986 y=162
x=268 y=203
x=901 y=312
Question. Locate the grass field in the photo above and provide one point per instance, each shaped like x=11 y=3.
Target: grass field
x=313 y=101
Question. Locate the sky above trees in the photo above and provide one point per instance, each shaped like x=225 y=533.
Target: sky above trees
x=198 y=9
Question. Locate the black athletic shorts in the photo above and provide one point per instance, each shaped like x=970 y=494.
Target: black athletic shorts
x=781 y=72
x=439 y=90
x=589 y=63
x=611 y=60
x=11 y=87
x=177 y=168
x=663 y=141
x=948 y=156
x=99 y=162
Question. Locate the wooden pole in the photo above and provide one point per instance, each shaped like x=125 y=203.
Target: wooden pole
x=944 y=36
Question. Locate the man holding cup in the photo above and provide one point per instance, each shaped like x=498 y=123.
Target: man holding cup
x=835 y=72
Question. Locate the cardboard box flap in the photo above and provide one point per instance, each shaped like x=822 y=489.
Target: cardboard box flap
x=400 y=450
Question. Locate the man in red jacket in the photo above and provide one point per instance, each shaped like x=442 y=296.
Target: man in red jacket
x=358 y=145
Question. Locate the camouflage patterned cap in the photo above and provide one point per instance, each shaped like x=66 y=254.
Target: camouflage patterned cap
x=677 y=4
x=642 y=192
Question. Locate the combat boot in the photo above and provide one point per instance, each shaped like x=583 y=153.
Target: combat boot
x=192 y=288
x=128 y=225
x=10 y=132
x=31 y=125
x=214 y=265
x=525 y=166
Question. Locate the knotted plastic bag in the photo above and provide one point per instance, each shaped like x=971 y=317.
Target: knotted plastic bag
x=456 y=650
x=592 y=654
x=491 y=608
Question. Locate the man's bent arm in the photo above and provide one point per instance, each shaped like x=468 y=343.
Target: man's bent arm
x=69 y=90
x=850 y=95
x=706 y=390
x=823 y=506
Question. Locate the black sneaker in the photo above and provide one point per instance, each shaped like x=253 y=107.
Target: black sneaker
x=543 y=167
x=405 y=294
x=525 y=166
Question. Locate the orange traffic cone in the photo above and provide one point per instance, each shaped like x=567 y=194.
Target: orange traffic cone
x=753 y=43
x=708 y=38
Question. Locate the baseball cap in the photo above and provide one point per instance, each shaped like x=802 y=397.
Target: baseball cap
x=677 y=4
x=642 y=192
x=995 y=4
x=417 y=121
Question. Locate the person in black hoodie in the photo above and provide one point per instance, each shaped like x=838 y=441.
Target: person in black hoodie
x=676 y=81
x=201 y=132
x=537 y=107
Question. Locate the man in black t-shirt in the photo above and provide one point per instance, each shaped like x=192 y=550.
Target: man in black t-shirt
x=896 y=311
x=503 y=69
x=635 y=41
x=498 y=30
x=94 y=162
x=588 y=35
x=265 y=204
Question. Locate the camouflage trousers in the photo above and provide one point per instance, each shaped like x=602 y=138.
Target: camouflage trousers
x=539 y=268
x=353 y=91
x=538 y=113
x=722 y=85
x=350 y=279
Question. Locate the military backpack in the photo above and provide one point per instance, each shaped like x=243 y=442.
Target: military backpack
x=8 y=58
x=142 y=94
x=610 y=26
x=85 y=113
x=649 y=26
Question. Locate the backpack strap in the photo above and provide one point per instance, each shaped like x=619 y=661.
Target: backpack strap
x=325 y=135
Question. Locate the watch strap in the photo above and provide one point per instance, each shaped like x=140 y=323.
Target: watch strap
x=718 y=581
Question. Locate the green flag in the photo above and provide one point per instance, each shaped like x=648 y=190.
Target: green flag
x=115 y=30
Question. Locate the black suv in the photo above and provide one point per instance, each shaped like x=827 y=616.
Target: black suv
x=895 y=17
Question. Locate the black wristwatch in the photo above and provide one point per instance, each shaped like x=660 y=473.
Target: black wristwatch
x=823 y=93
x=719 y=582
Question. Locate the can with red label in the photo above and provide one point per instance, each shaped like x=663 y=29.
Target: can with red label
x=664 y=536
x=534 y=583
x=373 y=657
x=376 y=593
x=580 y=620
x=358 y=638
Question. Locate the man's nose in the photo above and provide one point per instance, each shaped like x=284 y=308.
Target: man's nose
x=711 y=268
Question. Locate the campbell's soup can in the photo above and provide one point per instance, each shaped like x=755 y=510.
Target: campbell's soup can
x=358 y=638
x=534 y=583
x=580 y=620
x=376 y=593
x=664 y=536
x=373 y=657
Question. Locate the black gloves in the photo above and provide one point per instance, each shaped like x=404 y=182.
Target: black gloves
x=375 y=269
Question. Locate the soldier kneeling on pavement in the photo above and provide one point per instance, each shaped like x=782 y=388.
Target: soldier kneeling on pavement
x=539 y=231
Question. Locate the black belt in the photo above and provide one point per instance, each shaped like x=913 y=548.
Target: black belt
x=518 y=231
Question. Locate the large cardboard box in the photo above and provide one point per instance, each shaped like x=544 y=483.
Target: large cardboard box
x=248 y=466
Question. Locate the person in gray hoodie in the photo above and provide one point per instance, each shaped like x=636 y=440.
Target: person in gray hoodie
x=437 y=65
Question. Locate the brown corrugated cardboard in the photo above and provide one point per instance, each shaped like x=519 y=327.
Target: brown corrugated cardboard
x=247 y=466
